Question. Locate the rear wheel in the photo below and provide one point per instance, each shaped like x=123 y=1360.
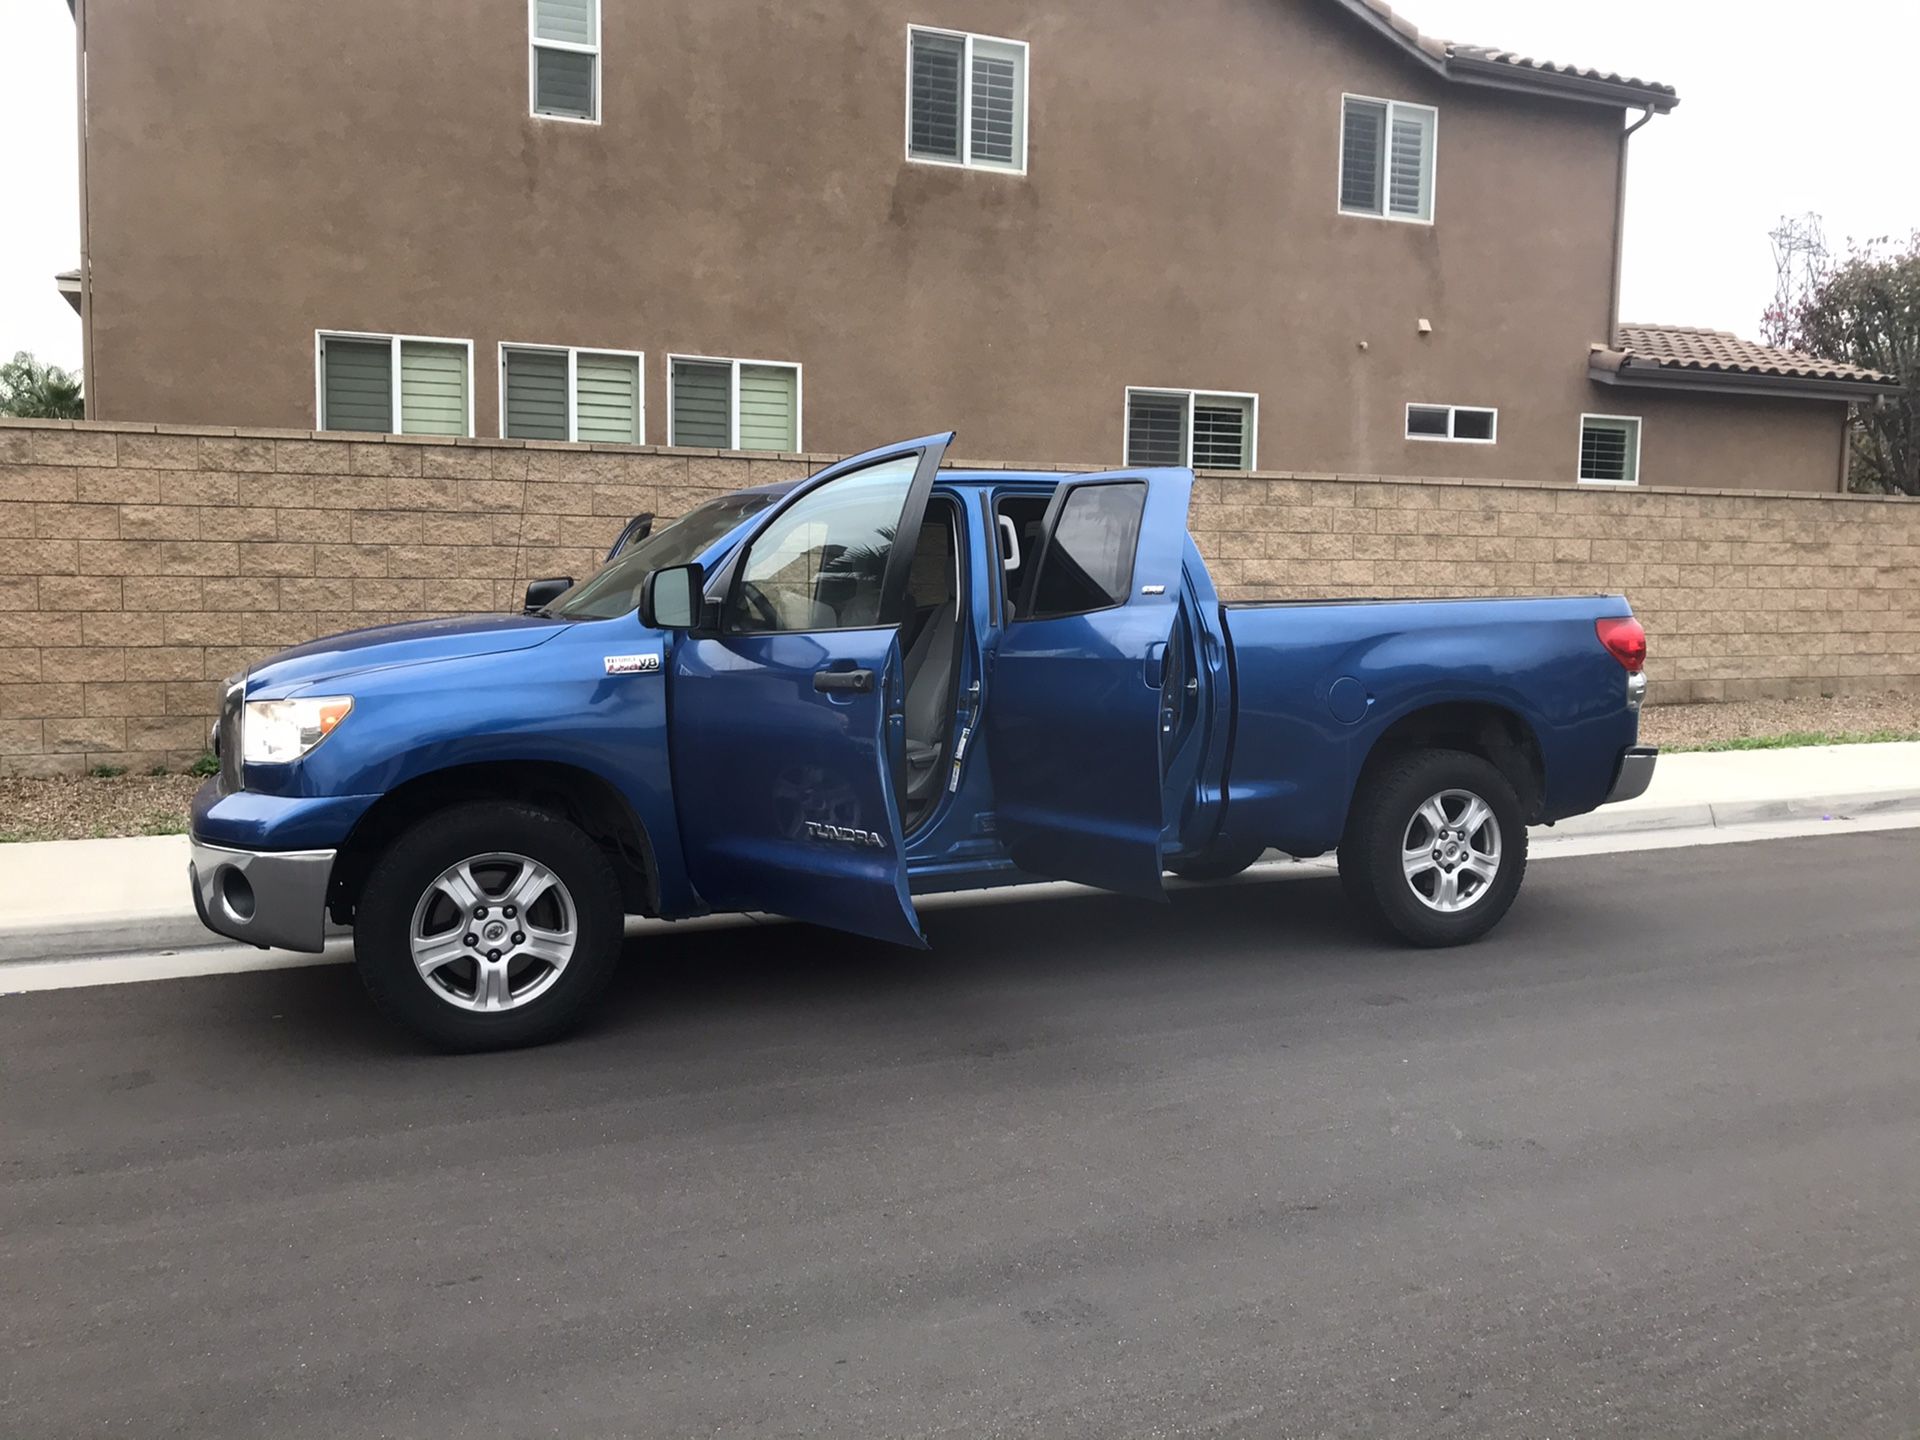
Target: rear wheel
x=1436 y=848
x=489 y=926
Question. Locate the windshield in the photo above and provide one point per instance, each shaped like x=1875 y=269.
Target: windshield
x=615 y=590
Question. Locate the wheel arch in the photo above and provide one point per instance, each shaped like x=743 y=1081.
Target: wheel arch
x=1496 y=733
x=576 y=794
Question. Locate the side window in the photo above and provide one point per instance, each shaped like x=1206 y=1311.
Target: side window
x=366 y=382
x=1088 y=564
x=820 y=565
x=967 y=100
x=565 y=59
x=1386 y=158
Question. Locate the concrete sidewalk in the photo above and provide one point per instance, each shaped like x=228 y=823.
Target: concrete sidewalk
x=104 y=897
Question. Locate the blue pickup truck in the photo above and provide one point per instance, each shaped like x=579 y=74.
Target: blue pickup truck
x=822 y=699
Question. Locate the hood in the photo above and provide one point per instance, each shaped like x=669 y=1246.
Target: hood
x=416 y=642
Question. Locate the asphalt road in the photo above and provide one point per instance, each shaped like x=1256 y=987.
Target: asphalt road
x=1645 y=1162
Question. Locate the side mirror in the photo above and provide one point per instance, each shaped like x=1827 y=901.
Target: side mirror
x=672 y=599
x=542 y=593
x=632 y=533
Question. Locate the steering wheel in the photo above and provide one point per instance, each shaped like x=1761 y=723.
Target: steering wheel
x=761 y=606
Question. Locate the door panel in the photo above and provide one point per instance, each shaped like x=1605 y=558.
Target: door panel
x=1080 y=744
x=786 y=789
x=786 y=724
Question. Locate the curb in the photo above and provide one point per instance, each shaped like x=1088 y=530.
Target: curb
x=174 y=930
x=1722 y=815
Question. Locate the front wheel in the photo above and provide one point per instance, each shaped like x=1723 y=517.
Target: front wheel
x=489 y=926
x=1436 y=848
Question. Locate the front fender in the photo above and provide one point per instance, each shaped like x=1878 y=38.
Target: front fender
x=556 y=704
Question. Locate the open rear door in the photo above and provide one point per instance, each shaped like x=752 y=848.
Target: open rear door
x=1074 y=703
x=786 y=731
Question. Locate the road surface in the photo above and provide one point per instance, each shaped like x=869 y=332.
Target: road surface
x=1646 y=1161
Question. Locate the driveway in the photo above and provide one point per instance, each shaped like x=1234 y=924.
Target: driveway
x=1647 y=1160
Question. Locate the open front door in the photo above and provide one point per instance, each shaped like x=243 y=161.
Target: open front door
x=1074 y=703
x=787 y=736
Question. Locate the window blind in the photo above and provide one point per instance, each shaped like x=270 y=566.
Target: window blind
x=769 y=408
x=702 y=404
x=1608 y=451
x=1156 y=429
x=433 y=388
x=357 y=385
x=536 y=395
x=1409 y=188
x=934 y=117
x=1222 y=427
x=996 y=103
x=607 y=398
x=1364 y=130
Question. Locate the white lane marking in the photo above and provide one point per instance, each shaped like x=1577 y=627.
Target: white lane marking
x=24 y=977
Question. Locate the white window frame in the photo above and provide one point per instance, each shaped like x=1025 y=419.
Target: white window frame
x=1580 y=446
x=535 y=45
x=320 y=338
x=966 y=160
x=1191 y=396
x=733 y=395
x=1453 y=418
x=1385 y=212
x=573 y=354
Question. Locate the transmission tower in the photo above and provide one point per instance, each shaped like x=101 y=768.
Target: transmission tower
x=1799 y=255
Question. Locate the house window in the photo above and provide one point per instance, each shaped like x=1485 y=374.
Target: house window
x=967 y=100
x=1386 y=158
x=1609 y=450
x=564 y=58
x=363 y=382
x=1464 y=423
x=551 y=392
x=1199 y=428
x=733 y=404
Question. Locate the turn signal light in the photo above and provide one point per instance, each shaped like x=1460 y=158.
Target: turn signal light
x=1626 y=641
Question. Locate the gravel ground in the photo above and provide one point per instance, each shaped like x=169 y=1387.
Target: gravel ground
x=84 y=807
x=1675 y=727
x=80 y=807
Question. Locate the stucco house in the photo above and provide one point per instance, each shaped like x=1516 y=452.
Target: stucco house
x=1234 y=233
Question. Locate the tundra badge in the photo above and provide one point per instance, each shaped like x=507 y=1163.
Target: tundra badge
x=846 y=835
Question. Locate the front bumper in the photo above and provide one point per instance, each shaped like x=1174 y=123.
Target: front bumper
x=264 y=897
x=1636 y=774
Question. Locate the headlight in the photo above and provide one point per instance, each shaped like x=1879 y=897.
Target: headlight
x=276 y=732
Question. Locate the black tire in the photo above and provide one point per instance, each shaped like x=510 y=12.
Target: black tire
x=1219 y=865
x=1384 y=811
x=410 y=866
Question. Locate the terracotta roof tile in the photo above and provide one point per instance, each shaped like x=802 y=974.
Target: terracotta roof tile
x=1686 y=347
x=1439 y=52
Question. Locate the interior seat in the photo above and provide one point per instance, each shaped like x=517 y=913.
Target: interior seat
x=928 y=668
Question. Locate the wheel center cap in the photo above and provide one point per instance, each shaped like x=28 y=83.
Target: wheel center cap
x=495 y=930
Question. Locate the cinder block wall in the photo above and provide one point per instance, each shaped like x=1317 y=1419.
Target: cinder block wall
x=140 y=564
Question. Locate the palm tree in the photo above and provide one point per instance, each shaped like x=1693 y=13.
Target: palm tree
x=32 y=391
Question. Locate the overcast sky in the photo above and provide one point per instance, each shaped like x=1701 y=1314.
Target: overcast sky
x=1787 y=106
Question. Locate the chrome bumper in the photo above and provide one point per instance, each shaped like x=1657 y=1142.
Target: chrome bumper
x=266 y=898
x=1636 y=774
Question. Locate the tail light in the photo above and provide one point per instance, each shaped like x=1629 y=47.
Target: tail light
x=1626 y=641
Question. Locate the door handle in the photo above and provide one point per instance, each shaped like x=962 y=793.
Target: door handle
x=858 y=682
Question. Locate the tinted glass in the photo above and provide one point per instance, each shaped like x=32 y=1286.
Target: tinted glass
x=1427 y=420
x=820 y=565
x=1473 y=424
x=615 y=590
x=1088 y=563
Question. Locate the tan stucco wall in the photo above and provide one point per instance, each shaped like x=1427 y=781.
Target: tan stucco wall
x=1738 y=441
x=142 y=565
x=258 y=172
